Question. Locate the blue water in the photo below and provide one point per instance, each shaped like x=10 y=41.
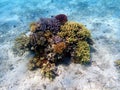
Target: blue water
x=101 y=17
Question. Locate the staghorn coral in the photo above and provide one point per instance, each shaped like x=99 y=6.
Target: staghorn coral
x=53 y=39
x=82 y=53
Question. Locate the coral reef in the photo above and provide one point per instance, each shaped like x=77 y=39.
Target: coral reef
x=53 y=39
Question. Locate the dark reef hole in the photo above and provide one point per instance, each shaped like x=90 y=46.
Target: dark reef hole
x=65 y=61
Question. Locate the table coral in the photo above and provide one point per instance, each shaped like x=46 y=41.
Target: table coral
x=53 y=39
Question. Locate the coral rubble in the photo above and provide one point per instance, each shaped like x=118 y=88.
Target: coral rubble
x=53 y=39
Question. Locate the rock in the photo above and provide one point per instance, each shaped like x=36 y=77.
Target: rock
x=117 y=63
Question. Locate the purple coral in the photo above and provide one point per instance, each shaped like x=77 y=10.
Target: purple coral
x=51 y=24
x=62 y=18
x=57 y=39
x=37 y=39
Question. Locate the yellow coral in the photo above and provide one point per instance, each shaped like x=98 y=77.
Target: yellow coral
x=117 y=62
x=33 y=27
x=82 y=52
x=84 y=34
x=71 y=26
x=48 y=34
x=70 y=39
x=48 y=70
x=59 y=47
x=74 y=31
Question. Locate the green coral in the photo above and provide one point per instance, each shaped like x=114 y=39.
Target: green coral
x=73 y=32
x=21 y=44
x=77 y=34
x=48 y=70
x=84 y=34
x=82 y=53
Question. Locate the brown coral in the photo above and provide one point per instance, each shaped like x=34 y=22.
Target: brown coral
x=59 y=47
x=33 y=27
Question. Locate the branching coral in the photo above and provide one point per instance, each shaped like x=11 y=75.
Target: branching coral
x=57 y=39
x=83 y=34
x=37 y=40
x=52 y=39
x=82 y=53
x=51 y=24
x=21 y=44
x=33 y=27
x=37 y=62
x=74 y=31
x=49 y=70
